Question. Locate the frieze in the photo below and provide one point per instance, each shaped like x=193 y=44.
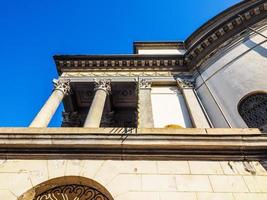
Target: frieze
x=117 y=74
x=129 y=62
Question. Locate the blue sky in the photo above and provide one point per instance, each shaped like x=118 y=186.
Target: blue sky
x=33 y=31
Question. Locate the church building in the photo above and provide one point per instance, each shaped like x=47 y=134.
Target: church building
x=174 y=120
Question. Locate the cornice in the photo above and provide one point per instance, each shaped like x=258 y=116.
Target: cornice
x=136 y=144
x=67 y=63
x=231 y=22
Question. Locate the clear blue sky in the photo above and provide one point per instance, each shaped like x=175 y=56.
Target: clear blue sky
x=33 y=31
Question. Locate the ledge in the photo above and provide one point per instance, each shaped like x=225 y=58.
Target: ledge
x=144 y=144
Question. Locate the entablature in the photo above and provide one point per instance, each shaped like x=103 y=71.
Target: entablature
x=85 y=63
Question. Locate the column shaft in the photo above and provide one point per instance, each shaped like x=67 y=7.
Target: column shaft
x=94 y=116
x=43 y=118
x=46 y=113
x=198 y=117
x=145 y=113
x=95 y=113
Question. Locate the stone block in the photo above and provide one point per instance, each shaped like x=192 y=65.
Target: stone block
x=193 y=183
x=106 y=172
x=16 y=183
x=228 y=183
x=177 y=195
x=233 y=131
x=250 y=196
x=238 y=168
x=7 y=195
x=256 y=183
x=138 y=195
x=158 y=183
x=91 y=167
x=138 y=166
x=124 y=183
x=215 y=196
x=22 y=165
x=205 y=167
x=74 y=167
x=56 y=168
x=173 y=167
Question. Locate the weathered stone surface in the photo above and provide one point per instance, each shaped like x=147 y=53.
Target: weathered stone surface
x=228 y=183
x=173 y=167
x=250 y=196
x=178 y=195
x=158 y=183
x=7 y=195
x=193 y=183
x=205 y=167
x=215 y=196
x=256 y=183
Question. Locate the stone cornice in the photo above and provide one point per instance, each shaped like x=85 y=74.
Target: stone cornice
x=207 y=39
x=202 y=44
x=66 y=63
x=120 y=143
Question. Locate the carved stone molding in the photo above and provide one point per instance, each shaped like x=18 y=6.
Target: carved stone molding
x=71 y=119
x=121 y=62
x=103 y=84
x=71 y=192
x=185 y=84
x=206 y=40
x=63 y=86
x=145 y=84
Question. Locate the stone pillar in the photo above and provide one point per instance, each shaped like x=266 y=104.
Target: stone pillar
x=42 y=119
x=197 y=114
x=145 y=114
x=94 y=115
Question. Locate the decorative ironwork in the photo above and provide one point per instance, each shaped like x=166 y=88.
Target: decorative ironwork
x=72 y=192
x=253 y=110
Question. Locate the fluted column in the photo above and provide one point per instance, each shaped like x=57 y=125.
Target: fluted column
x=145 y=114
x=195 y=110
x=42 y=119
x=94 y=115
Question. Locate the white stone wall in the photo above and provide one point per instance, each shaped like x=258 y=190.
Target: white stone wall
x=161 y=51
x=169 y=107
x=149 y=180
x=228 y=78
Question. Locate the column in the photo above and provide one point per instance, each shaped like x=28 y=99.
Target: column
x=145 y=114
x=94 y=115
x=42 y=119
x=198 y=117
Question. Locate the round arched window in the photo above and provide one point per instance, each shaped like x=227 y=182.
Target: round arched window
x=67 y=188
x=253 y=110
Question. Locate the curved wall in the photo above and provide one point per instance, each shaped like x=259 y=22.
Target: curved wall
x=235 y=71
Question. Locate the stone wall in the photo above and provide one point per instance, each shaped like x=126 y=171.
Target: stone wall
x=150 y=180
x=236 y=71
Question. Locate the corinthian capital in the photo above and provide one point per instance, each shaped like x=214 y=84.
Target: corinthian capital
x=63 y=86
x=103 y=84
x=184 y=83
x=145 y=84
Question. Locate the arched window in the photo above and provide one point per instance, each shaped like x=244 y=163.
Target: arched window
x=67 y=188
x=253 y=110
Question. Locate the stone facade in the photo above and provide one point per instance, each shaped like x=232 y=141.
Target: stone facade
x=127 y=180
x=112 y=145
